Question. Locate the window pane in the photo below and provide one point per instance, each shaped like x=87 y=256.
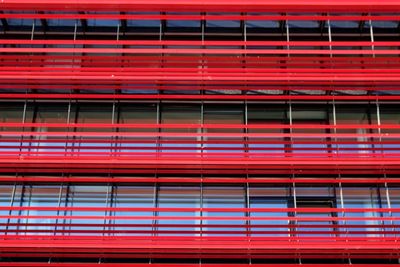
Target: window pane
x=135 y=113
x=361 y=197
x=232 y=114
x=6 y=192
x=355 y=114
x=270 y=197
x=87 y=196
x=316 y=197
x=185 y=115
x=92 y=114
x=50 y=114
x=262 y=115
x=179 y=197
x=224 y=197
x=133 y=197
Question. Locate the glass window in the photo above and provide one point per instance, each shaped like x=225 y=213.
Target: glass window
x=356 y=115
x=41 y=196
x=224 y=197
x=185 y=115
x=92 y=114
x=389 y=114
x=17 y=200
x=364 y=198
x=303 y=24
x=394 y=198
x=262 y=24
x=102 y=23
x=232 y=114
x=263 y=115
x=50 y=114
x=315 y=115
x=144 y=23
x=6 y=193
x=179 y=197
x=138 y=196
x=315 y=197
x=344 y=24
x=135 y=113
x=62 y=22
x=270 y=197
x=11 y=112
x=95 y=196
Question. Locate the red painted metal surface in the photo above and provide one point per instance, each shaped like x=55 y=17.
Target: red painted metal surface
x=366 y=6
x=264 y=154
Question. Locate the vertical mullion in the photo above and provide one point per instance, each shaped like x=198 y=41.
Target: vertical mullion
x=201 y=212
x=154 y=222
x=11 y=204
x=201 y=173
x=371 y=31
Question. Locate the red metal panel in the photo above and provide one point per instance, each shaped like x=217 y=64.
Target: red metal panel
x=355 y=6
x=28 y=67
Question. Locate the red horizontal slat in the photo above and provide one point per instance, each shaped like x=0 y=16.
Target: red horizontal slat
x=198 y=97
x=219 y=126
x=205 y=180
x=226 y=227
x=222 y=16
x=182 y=209
x=187 y=43
x=208 y=51
x=315 y=218
x=77 y=264
x=355 y=6
x=187 y=135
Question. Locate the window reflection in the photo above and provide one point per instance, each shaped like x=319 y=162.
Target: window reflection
x=224 y=197
x=355 y=115
x=179 y=197
x=318 y=115
x=270 y=197
x=316 y=198
x=213 y=114
x=184 y=115
x=95 y=196
x=137 y=113
x=361 y=197
x=138 y=196
x=264 y=115
x=306 y=198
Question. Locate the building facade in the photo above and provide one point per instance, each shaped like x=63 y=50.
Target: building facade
x=199 y=133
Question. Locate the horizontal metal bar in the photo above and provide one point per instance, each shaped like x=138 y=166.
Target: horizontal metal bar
x=210 y=218
x=186 y=162
x=194 y=17
x=218 y=126
x=219 y=210
x=76 y=264
x=205 y=180
x=196 y=71
x=187 y=43
x=76 y=232
x=209 y=51
x=188 y=135
x=198 y=169
x=206 y=239
x=198 y=97
x=355 y=6
x=164 y=154
x=284 y=78
x=187 y=141
x=257 y=227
